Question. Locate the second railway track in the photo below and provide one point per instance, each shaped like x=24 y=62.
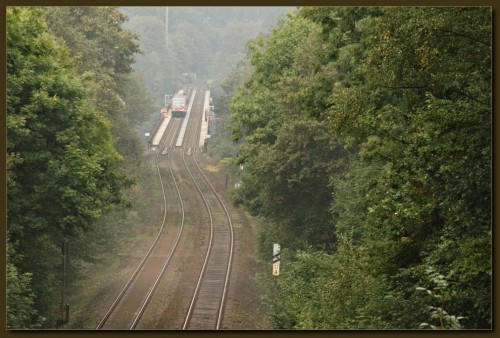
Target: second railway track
x=206 y=308
x=207 y=303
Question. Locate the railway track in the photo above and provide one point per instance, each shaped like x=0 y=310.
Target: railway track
x=207 y=303
x=206 y=306
x=133 y=299
x=207 y=292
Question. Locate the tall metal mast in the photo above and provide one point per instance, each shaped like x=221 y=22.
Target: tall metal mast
x=166 y=28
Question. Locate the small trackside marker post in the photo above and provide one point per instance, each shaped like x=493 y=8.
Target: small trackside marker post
x=276 y=266
x=276 y=259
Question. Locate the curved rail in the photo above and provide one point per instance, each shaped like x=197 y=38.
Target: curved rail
x=207 y=186
x=169 y=258
x=220 y=310
x=207 y=255
x=231 y=250
x=143 y=261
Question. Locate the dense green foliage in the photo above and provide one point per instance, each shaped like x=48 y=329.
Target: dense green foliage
x=71 y=151
x=367 y=151
x=104 y=52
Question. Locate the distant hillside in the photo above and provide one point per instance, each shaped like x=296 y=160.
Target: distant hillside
x=207 y=41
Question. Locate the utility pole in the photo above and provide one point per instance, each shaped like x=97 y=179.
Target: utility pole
x=64 y=251
x=166 y=28
x=165 y=62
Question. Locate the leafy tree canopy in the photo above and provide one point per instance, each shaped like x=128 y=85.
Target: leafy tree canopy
x=63 y=168
x=392 y=107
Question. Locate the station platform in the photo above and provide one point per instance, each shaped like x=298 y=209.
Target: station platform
x=161 y=130
x=204 y=122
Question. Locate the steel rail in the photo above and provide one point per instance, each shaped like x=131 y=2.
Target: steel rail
x=158 y=236
x=169 y=258
x=209 y=248
x=220 y=310
x=231 y=250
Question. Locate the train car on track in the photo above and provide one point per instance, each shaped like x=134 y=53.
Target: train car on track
x=179 y=104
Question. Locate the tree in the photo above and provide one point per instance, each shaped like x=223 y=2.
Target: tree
x=319 y=291
x=104 y=52
x=63 y=171
x=407 y=93
x=20 y=299
x=422 y=119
